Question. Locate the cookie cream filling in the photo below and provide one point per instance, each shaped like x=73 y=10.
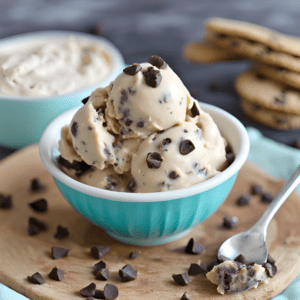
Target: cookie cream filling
x=56 y=67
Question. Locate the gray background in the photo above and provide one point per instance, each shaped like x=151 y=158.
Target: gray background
x=143 y=28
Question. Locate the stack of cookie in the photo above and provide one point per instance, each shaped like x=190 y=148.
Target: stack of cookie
x=270 y=89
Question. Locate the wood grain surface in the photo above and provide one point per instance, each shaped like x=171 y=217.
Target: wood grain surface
x=22 y=255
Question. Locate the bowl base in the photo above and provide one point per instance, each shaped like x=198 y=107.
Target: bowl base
x=148 y=242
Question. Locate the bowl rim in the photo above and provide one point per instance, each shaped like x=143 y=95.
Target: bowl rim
x=114 y=53
x=46 y=148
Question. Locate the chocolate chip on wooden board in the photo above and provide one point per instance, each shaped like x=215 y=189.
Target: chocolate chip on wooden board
x=36 y=185
x=102 y=274
x=256 y=189
x=5 y=201
x=88 y=291
x=230 y=223
x=61 y=232
x=39 y=205
x=267 y=197
x=35 y=226
x=194 y=247
x=110 y=291
x=98 y=251
x=243 y=200
x=182 y=279
x=99 y=266
x=36 y=278
x=127 y=273
x=197 y=269
x=57 y=252
x=185 y=297
x=133 y=255
x=56 y=274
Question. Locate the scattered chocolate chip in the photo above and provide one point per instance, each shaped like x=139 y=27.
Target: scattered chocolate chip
x=131 y=91
x=270 y=260
x=166 y=142
x=57 y=252
x=61 y=232
x=88 y=291
x=222 y=258
x=74 y=129
x=271 y=269
x=99 y=266
x=128 y=122
x=39 y=205
x=173 y=175
x=196 y=269
x=186 y=147
x=181 y=279
x=110 y=291
x=195 y=111
x=56 y=274
x=140 y=124
x=194 y=247
x=36 y=278
x=127 y=273
x=230 y=223
x=124 y=98
x=5 y=201
x=35 y=226
x=92 y=298
x=157 y=61
x=98 y=295
x=243 y=200
x=256 y=189
x=85 y=100
x=102 y=274
x=133 y=69
x=185 y=297
x=153 y=160
x=36 y=185
x=267 y=197
x=98 y=251
x=152 y=77
x=133 y=255
x=296 y=144
x=242 y=259
x=131 y=185
x=230 y=158
x=211 y=265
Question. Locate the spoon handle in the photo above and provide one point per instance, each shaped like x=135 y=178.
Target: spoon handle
x=263 y=223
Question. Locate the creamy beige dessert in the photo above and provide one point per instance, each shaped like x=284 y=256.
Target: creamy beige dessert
x=54 y=68
x=146 y=131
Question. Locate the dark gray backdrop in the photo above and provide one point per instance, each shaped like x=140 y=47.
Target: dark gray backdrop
x=143 y=28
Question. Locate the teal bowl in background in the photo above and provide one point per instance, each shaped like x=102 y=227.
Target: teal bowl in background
x=148 y=218
x=23 y=119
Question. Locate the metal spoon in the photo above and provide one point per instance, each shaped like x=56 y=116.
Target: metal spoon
x=252 y=243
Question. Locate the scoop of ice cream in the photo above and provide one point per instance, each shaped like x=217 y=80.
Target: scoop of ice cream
x=179 y=157
x=147 y=99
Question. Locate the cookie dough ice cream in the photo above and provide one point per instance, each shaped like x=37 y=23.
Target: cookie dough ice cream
x=57 y=67
x=142 y=133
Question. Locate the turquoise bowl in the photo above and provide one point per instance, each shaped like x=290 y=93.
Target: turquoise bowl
x=23 y=119
x=148 y=218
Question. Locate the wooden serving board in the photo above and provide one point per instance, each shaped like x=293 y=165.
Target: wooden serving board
x=22 y=255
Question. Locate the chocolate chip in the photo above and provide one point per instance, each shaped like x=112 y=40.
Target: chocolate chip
x=267 y=197
x=243 y=200
x=102 y=274
x=186 y=147
x=157 y=61
x=222 y=258
x=35 y=226
x=36 y=185
x=85 y=100
x=88 y=291
x=185 y=297
x=124 y=97
x=230 y=158
x=256 y=106
x=140 y=124
x=228 y=149
x=131 y=185
x=242 y=259
x=98 y=251
x=230 y=223
x=166 y=142
x=271 y=269
x=98 y=295
x=99 y=266
x=36 y=278
x=181 y=279
x=56 y=274
x=39 y=205
x=196 y=269
x=133 y=69
x=57 y=252
x=194 y=247
x=173 y=175
x=260 y=76
x=110 y=291
x=296 y=144
x=133 y=255
x=89 y=128
x=153 y=160
x=211 y=265
x=256 y=189
x=5 y=201
x=61 y=232
x=127 y=273
x=281 y=99
x=185 y=131
x=195 y=111
x=152 y=77
x=74 y=129
x=131 y=91
x=92 y=298
x=128 y=122
x=270 y=260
